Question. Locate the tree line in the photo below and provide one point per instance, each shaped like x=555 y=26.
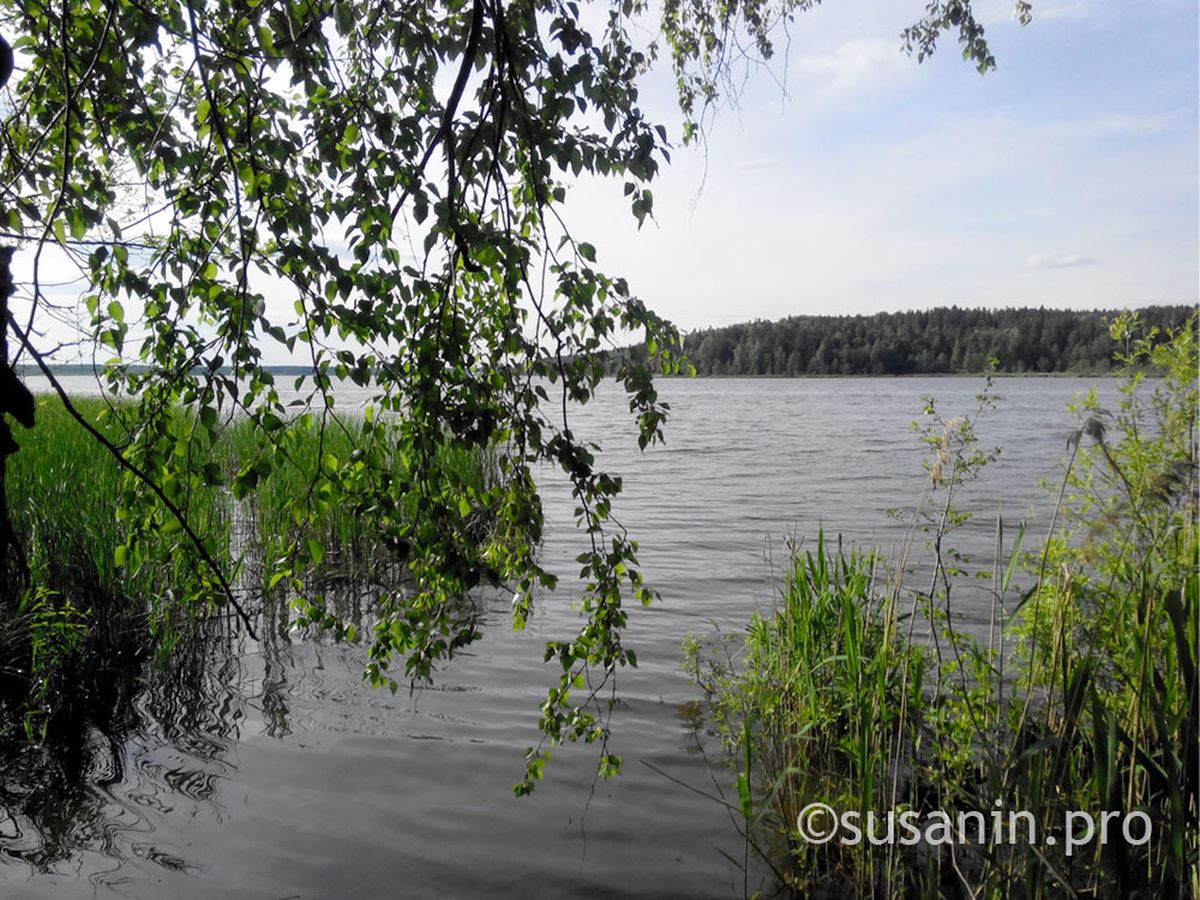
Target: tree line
x=928 y=342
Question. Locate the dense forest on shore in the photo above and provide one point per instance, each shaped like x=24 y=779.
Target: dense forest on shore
x=942 y=341
x=937 y=341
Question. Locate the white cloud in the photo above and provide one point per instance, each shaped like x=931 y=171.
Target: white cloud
x=858 y=65
x=1000 y=13
x=1120 y=125
x=761 y=162
x=1064 y=10
x=1058 y=261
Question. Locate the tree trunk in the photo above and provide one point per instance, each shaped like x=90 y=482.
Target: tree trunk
x=14 y=398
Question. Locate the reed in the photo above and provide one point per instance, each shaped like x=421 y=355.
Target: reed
x=817 y=704
x=61 y=488
x=99 y=594
x=1083 y=698
x=343 y=521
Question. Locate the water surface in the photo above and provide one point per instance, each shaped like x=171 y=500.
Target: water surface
x=297 y=780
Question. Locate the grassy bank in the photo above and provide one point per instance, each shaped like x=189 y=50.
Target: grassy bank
x=1078 y=711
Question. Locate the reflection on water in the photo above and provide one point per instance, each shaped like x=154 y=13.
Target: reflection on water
x=271 y=769
x=89 y=801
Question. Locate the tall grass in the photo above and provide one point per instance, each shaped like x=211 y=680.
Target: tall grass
x=333 y=464
x=76 y=628
x=1084 y=697
x=102 y=586
x=817 y=705
x=62 y=489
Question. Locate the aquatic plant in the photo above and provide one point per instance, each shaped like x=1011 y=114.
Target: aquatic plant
x=1083 y=699
x=104 y=590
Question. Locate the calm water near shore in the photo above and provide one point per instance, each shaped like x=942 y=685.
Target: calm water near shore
x=297 y=780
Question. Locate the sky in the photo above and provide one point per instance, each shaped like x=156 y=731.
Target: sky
x=851 y=179
x=1067 y=177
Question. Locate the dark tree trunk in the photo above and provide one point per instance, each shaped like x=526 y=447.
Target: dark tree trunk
x=15 y=399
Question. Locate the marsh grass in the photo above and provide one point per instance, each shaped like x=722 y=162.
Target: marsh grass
x=324 y=460
x=100 y=596
x=66 y=636
x=96 y=642
x=1083 y=697
x=310 y=451
x=62 y=491
x=818 y=701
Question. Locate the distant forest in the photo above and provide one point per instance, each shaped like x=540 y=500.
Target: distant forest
x=938 y=341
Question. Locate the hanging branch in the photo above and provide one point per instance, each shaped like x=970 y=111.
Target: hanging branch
x=145 y=478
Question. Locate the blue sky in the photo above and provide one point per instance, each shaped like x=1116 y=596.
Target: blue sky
x=1067 y=177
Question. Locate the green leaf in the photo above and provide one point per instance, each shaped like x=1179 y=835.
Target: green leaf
x=744 y=798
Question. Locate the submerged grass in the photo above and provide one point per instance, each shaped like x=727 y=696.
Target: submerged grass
x=65 y=636
x=100 y=595
x=340 y=508
x=1083 y=699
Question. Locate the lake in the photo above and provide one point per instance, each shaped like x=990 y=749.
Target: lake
x=297 y=780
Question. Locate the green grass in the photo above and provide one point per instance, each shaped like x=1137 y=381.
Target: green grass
x=62 y=488
x=821 y=690
x=107 y=561
x=333 y=468
x=76 y=634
